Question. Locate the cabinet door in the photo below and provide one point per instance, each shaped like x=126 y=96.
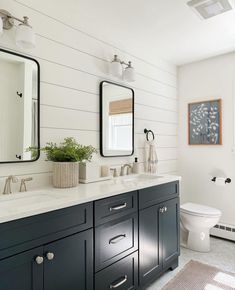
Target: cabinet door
x=69 y=263
x=149 y=247
x=169 y=231
x=21 y=272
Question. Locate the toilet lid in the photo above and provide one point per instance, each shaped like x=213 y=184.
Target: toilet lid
x=199 y=210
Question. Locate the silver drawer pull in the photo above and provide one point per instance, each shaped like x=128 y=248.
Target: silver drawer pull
x=117 y=239
x=118 y=284
x=121 y=206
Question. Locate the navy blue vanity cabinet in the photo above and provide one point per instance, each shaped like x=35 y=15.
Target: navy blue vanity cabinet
x=51 y=251
x=169 y=232
x=21 y=272
x=123 y=275
x=150 y=258
x=121 y=242
x=116 y=242
x=158 y=231
x=68 y=263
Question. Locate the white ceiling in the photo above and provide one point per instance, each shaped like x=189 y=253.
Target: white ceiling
x=148 y=28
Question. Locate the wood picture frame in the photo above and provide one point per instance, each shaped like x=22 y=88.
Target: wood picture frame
x=205 y=122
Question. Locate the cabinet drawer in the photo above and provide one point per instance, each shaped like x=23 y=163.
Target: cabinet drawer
x=115 y=240
x=156 y=194
x=35 y=230
x=122 y=275
x=110 y=208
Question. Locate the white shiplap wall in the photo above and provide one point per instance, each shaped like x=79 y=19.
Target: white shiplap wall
x=72 y=65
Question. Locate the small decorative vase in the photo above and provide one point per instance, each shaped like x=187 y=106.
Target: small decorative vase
x=65 y=174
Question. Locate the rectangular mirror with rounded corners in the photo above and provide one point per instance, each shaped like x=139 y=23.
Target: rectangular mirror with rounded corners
x=19 y=108
x=116 y=120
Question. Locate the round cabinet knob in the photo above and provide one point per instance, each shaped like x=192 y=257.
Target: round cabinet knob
x=50 y=256
x=39 y=260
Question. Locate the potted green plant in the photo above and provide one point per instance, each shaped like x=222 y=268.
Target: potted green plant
x=66 y=157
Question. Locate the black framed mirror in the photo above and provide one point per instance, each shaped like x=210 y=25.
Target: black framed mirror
x=116 y=120
x=19 y=108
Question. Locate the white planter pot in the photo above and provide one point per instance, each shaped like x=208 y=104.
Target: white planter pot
x=65 y=174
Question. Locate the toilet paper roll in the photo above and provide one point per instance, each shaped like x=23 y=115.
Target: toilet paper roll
x=220 y=181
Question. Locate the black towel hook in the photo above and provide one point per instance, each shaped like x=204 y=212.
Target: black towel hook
x=146 y=131
x=19 y=94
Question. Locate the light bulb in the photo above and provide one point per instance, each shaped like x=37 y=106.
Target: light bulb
x=25 y=36
x=129 y=73
x=116 y=67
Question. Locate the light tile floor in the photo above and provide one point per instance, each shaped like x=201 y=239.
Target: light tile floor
x=222 y=255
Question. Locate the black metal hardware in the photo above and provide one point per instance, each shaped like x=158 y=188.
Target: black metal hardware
x=19 y=94
x=146 y=131
x=227 y=180
x=18 y=157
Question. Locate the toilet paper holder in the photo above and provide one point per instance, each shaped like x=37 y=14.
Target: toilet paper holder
x=227 y=180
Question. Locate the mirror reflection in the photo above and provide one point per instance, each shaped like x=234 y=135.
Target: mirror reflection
x=117 y=120
x=19 y=107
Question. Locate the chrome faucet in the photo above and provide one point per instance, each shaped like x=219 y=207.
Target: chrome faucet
x=23 y=183
x=123 y=169
x=7 y=187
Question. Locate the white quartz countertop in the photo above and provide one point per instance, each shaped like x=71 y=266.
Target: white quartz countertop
x=21 y=205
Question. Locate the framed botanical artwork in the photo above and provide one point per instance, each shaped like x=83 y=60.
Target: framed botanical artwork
x=205 y=123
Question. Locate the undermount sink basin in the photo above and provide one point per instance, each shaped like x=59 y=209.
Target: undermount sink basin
x=15 y=202
x=141 y=177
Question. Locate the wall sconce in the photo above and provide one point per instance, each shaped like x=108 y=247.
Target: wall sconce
x=117 y=70
x=25 y=36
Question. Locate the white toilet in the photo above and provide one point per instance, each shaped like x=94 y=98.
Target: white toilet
x=195 y=222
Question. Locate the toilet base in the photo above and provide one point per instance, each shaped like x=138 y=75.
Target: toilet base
x=199 y=241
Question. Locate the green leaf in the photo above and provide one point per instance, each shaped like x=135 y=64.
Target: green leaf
x=67 y=151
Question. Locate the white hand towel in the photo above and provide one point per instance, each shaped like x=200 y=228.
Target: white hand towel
x=151 y=159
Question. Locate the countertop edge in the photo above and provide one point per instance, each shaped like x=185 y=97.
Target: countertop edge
x=65 y=201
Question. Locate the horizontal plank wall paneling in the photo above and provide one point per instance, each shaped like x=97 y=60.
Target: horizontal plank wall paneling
x=73 y=63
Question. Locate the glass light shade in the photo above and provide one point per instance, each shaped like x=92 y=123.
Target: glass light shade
x=1 y=26
x=129 y=74
x=116 y=68
x=25 y=37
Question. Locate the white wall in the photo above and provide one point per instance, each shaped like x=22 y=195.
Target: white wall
x=208 y=79
x=72 y=65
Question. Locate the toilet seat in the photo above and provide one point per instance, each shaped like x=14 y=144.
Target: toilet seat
x=199 y=210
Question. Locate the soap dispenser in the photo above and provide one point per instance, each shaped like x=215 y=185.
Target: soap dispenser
x=136 y=166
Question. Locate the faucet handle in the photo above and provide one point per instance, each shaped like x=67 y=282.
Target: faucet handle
x=129 y=170
x=114 y=170
x=13 y=178
x=23 y=183
x=7 y=186
x=122 y=171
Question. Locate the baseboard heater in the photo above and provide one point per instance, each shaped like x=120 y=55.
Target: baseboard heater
x=224 y=231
